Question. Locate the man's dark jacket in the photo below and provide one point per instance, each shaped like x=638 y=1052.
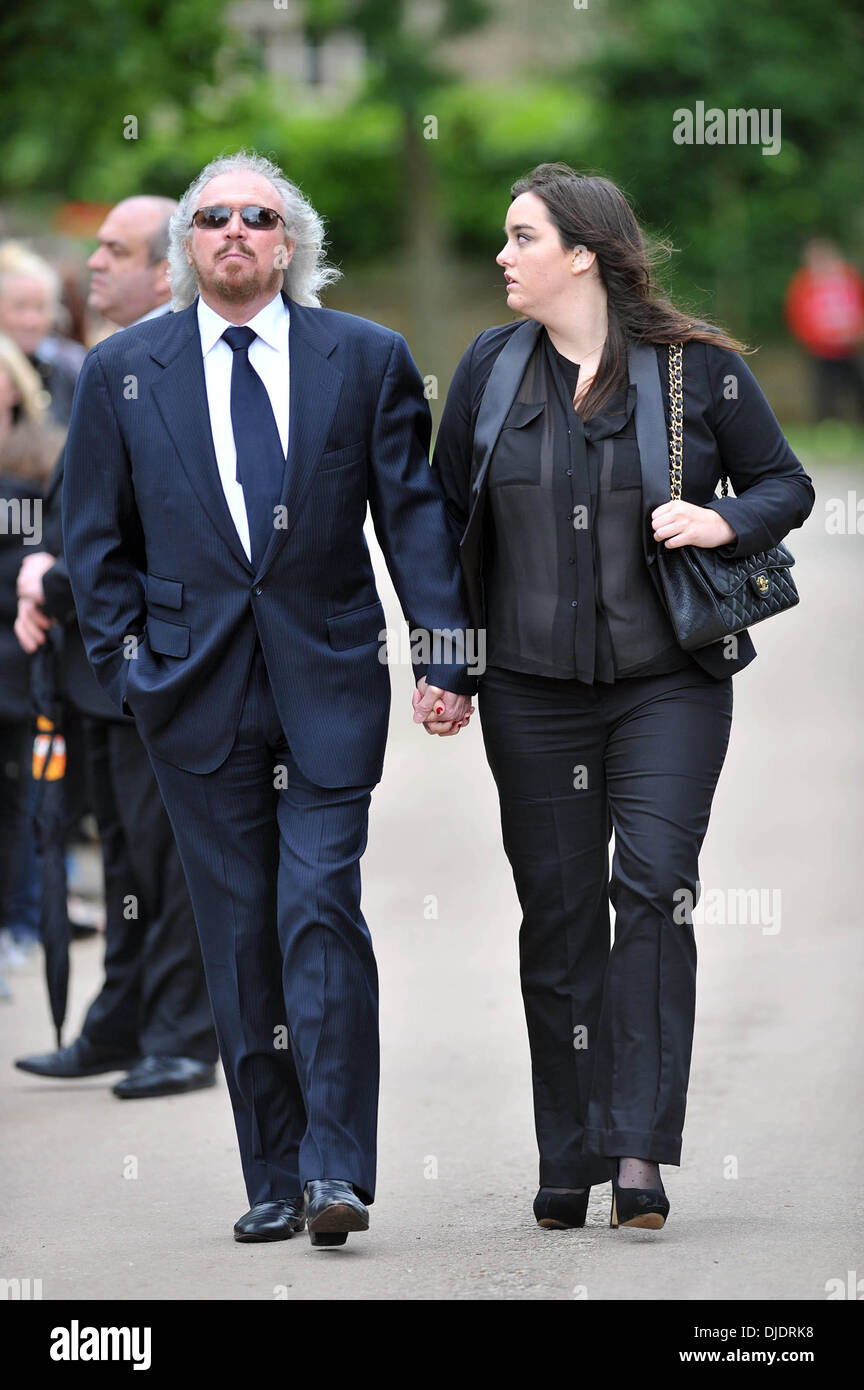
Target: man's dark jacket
x=170 y=606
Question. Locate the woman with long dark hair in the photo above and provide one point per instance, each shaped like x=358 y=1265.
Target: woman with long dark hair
x=594 y=718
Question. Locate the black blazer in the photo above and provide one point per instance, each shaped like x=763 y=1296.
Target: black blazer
x=728 y=427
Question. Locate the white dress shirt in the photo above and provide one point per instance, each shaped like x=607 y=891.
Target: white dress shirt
x=268 y=355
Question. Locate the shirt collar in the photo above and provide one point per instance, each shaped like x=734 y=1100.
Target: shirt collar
x=164 y=308
x=270 y=324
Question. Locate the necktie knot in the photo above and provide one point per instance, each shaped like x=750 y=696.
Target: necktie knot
x=237 y=338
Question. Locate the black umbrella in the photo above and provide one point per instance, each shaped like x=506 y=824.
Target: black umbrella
x=49 y=770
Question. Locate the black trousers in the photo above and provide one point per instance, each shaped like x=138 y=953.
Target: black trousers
x=154 y=997
x=272 y=862
x=610 y=1030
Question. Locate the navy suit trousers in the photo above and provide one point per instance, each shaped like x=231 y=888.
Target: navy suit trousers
x=610 y=1026
x=272 y=863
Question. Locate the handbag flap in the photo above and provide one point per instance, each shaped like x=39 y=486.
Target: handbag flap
x=726 y=577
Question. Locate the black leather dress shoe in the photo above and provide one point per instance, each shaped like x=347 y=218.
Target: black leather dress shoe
x=165 y=1076
x=79 y=1058
x=271 y=1220
x=332 y=1210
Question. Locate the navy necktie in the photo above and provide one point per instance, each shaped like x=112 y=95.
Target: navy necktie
x=260 y=460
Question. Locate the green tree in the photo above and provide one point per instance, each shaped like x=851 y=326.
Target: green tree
x=737 y=215
x=404 y=73
x=72 y=76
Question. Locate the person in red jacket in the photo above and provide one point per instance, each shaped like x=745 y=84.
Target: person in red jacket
x=824 y=310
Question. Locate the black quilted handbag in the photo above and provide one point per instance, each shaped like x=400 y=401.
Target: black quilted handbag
x=709 y=597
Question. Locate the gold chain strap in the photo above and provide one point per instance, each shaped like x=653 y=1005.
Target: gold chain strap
x=676 y=420
x=676 y=424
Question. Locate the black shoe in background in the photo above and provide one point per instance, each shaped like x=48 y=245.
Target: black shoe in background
x=165 y=1076
x=79 y=1058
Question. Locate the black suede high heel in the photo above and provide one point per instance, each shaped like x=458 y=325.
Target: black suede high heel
x=638 y=1206
x=560 y=1211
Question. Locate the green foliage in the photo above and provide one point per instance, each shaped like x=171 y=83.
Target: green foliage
x=400 y=52
x=738 y=216
x=830 y=442
x=71 y=75
x=487 y=139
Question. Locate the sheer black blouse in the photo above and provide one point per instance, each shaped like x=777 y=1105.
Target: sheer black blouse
x=567 y=590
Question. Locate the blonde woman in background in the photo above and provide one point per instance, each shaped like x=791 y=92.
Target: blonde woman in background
x=30 y=309
x=28 y=446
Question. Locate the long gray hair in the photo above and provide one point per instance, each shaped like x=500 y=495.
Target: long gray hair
x=306 y=274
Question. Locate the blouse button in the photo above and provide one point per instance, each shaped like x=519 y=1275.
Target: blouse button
x=574 y=603
x=569 y=472
x=572 y=560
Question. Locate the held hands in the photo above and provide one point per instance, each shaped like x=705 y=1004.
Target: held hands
x=440 y=711
x=683 y=523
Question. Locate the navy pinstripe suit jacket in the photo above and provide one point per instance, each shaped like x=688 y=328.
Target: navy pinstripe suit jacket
x=154 y=556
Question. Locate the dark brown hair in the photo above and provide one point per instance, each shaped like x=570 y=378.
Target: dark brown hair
x=592 y=211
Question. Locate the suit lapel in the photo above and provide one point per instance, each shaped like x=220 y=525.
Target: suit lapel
x=181 y=397
x=498 y=397
x=651 y=435
x=500 y=392
x=314 y=384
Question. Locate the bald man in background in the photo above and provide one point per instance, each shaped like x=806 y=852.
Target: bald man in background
x=152 y=1016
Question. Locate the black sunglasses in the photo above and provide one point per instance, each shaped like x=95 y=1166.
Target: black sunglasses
x=257 y=219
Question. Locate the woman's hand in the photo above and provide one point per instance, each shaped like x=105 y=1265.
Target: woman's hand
x=430 y=701
x=683 y=523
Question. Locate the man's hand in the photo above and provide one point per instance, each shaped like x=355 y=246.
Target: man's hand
x=30 y=575
x=31 y=625
x=683 y=523
x=440 y=711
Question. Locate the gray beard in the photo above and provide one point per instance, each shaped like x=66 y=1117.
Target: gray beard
x=242 y=289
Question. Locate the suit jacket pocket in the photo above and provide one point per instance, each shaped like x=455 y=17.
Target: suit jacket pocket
x=341 y=458
x=167 y=592
x=356 y=629
x=170 y=639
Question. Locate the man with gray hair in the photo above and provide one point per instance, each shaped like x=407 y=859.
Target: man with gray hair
x=219 y=465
